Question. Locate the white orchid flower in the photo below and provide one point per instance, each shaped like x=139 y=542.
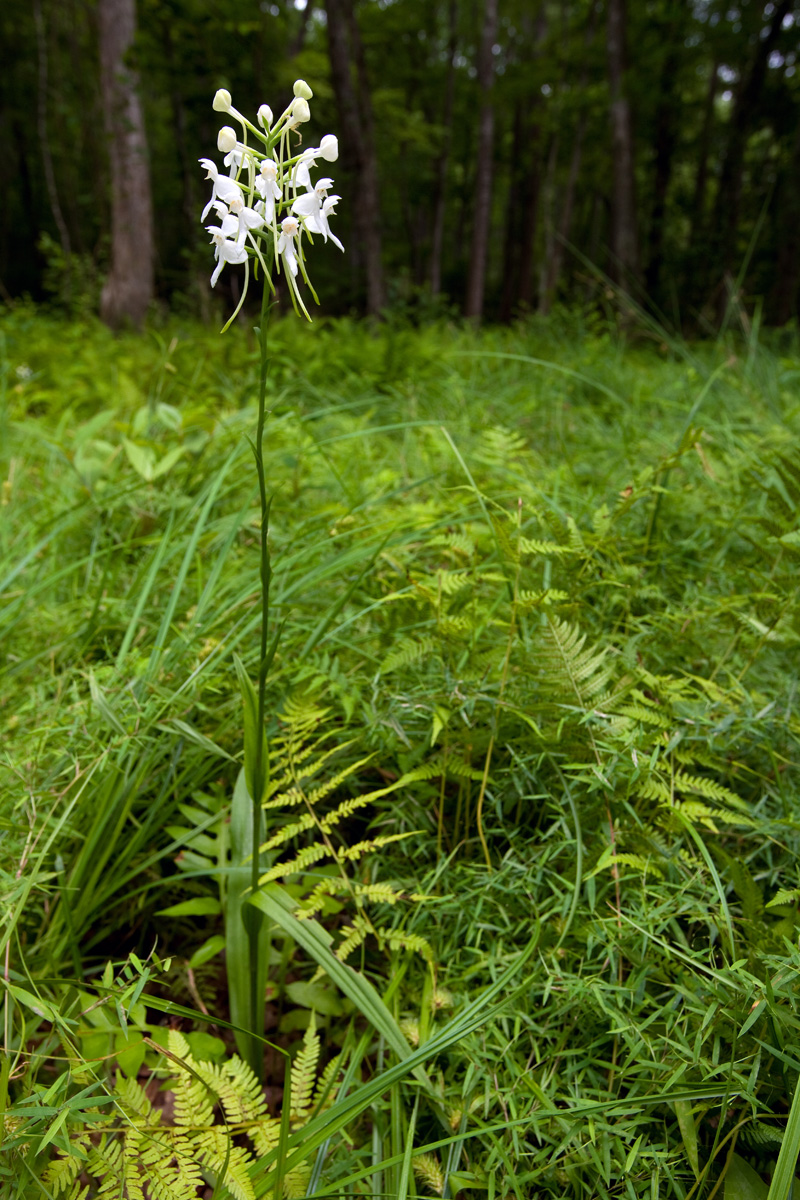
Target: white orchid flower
x=267 y=186
x=248 y=218
x=227 y=246
x=315 y=208
x=290 y=227
x=327 y=149
x=224 y=189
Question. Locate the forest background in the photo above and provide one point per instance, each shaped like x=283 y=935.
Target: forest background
x=496 y=158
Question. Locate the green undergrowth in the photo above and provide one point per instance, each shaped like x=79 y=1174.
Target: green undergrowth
x=535 y=694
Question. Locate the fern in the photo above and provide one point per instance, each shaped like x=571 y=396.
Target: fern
x=139 y=1157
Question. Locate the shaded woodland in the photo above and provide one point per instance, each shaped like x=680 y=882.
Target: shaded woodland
x=497 y=156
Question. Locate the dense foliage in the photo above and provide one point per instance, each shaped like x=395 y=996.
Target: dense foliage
x=710 y=87
x=534 y=696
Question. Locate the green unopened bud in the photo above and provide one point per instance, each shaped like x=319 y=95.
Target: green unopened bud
x=265 y=116
x=302 y=89
x=222 y=101
x=300 y=111
x=226 y=139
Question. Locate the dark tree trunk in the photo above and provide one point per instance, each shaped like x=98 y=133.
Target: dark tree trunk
x=555 y=259
x=355 y=116
x=44 y=141
x=191 y=208
x=666 y=140
x=443 y=161
x=703 y=149
x=787 y=284
x=745 y=105
x=129 y=287
x=476 y=280
x=624 y=267
x=514 y=214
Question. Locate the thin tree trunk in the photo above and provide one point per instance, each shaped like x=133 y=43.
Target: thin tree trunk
x=548 y=219
x=745 y=103
x=443 y=162
x=703 y=149
x=129 y=287
x=44 y=141
x=556 y=258
x=787 y=284
x=666 y=140
x=624 y=238
x=514 y=211
x=355 y=116
x=476 y=281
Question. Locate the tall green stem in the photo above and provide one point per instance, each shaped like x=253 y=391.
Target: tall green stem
x=261 y=767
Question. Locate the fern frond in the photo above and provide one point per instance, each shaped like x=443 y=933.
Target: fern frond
x=304 y=1072
x=550 y=549
x=265 y=1135
x=301 y=862
x=698 y=785
x=569 y=665
x=61 y=1173
x=407 y=652
x=325 y=1091
x=213 y=1148
x=356 y=935
x=353 y=853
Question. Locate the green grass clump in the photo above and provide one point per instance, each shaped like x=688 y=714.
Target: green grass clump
x=539 y=607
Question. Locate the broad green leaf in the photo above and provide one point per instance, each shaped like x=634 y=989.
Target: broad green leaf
x=141 y=458
x=743 y=1183
x=252 y=733
x=202 y=906
x=211 y=947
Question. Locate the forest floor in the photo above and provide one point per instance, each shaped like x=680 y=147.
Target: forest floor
x=533 y=732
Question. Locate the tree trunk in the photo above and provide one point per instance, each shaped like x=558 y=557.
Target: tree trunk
x=666 y=140
x=745 y=103
x=355 y=115
x=787 y=284
x=476 y=280
x=514 y=213
x=44 y=141
x=624 y=268
x=437 y=237
x=129 y=287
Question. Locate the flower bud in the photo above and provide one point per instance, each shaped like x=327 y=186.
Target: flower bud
x=222 y=101
x=226 y=139
x=265 y=116
x=300 y=111
x=302 y=89
x=329 y=147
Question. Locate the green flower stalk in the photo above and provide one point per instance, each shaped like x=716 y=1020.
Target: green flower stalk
x=268 y=209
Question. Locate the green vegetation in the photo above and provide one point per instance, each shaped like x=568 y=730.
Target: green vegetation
x=531 y=866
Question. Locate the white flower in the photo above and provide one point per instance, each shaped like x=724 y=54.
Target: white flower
x=248 y=218
x=226 y=139
x=222 y=101
x=302 y=89
x=315 y=208
x=267 y=186
x=235 y=157
x=226 y=249
x=265 y=116
x=224 y=189
x=327 y=149
x=290 y=227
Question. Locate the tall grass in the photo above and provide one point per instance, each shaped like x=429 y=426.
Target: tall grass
x=549 y=573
